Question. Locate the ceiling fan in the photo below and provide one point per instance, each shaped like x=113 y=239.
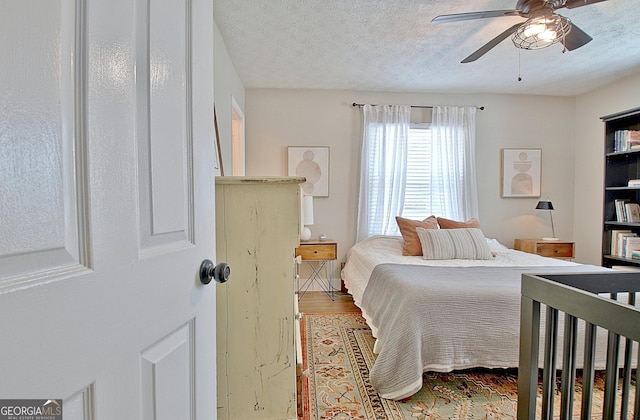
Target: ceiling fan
x=542 y=28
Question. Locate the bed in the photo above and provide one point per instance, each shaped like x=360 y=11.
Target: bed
x=440 y=315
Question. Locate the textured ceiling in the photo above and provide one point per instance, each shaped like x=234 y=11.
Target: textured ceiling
x=390 y=45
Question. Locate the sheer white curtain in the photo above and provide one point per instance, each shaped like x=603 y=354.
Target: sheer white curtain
x=449 y=166
x=453 y=130
x=382 y=168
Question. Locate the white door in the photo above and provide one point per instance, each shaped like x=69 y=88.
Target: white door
x=107 y=207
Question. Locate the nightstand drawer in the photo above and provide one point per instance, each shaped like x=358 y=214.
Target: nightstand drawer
x=553 y=249
x=564 y=250
x=318 y=251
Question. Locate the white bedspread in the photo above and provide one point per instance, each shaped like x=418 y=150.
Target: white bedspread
x=364 y=256
x=444 y=319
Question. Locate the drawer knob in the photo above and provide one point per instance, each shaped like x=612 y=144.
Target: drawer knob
x=315 y=251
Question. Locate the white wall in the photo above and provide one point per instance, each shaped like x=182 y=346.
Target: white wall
x=589 y=157
x=279 y=118
x=227 y=83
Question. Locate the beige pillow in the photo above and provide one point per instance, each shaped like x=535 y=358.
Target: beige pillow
x=449 y=244
x=408 y=227
x=454 y=224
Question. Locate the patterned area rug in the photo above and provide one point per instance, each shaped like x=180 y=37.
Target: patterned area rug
x=336 y=385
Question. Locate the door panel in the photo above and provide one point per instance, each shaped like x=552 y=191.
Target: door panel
x=107 y=209
x=42 y=234
x=80 y=405
x=165 y=143
x=167 y=377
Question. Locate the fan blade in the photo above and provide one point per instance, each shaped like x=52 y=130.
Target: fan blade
x=572 y=4
x=474 y=15
x=576 y=38
x=489 y=45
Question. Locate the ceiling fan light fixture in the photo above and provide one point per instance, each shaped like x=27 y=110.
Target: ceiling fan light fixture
x=541 y=31
x=534 y=29
x=548 y=35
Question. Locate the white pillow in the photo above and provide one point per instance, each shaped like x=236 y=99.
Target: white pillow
x=494 y=245
x=449 y=244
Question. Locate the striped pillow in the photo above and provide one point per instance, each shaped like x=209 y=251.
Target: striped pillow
x=449 y=244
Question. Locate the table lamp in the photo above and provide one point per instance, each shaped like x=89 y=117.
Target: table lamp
x=547 y=205
x=307 y=217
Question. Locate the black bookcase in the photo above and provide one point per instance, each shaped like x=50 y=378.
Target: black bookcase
x=622 y=163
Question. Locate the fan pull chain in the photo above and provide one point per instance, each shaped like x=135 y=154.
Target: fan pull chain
x=519 y=65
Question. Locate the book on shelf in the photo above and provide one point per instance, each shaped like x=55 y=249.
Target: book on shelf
x=635 y=255
x=633 y=183
x=633 y=139
x=621 y=213
x=622 y=243
x=632 y=212
x=615 y=233
x=629 y=245
x=626 y=140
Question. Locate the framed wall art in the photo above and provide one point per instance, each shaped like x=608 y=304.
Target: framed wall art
x=521 y=172
x=313 y=164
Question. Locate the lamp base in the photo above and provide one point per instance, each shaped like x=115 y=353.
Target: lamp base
x=305 y=235
x=550 y=239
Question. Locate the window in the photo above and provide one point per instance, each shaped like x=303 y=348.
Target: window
x=424 y=192
x=416 y=170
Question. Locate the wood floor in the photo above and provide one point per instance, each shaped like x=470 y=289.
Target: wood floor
x=320 y=302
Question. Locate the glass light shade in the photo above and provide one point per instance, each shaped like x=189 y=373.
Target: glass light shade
x=533 y=30
x=548 y=35
x=541 y=31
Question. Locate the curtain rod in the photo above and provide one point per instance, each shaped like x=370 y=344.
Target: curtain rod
x=481 y=108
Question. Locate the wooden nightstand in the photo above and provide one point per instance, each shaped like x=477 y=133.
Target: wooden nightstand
x=553 y=249
x=319 y=256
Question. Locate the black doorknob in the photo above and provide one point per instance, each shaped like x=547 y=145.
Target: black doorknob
x=219 y=272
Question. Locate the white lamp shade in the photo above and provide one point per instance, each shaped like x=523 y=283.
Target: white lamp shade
x=307 y=210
